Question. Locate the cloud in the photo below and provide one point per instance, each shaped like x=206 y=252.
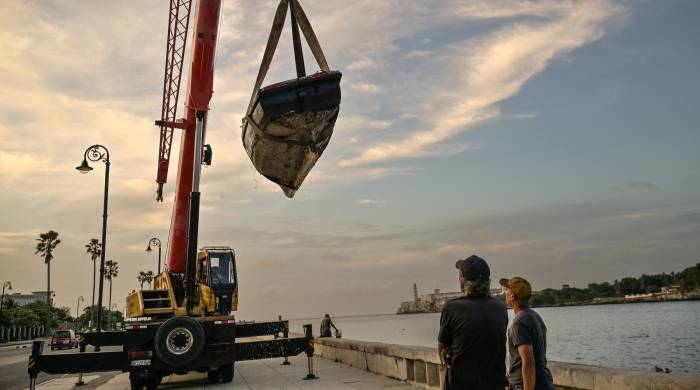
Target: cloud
x=639 y=186
x=412 y=81
x=636 y=215
x=573 y=243
x=370 y=202
x=379 y=124
x=526 y=115
x=5 y=251
x=366 y=88
x=509 y=9
x=491 y=69
x=10 y=235
x=362 y=63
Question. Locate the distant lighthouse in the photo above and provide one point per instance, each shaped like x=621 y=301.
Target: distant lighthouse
x=415 y=293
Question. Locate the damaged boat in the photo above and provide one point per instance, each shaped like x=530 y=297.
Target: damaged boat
x=289 y=124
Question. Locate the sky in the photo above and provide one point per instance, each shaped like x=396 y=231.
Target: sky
x=558 y=140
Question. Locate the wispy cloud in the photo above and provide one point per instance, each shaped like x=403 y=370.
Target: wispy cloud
x=639 y=186
x=370 y=202
x=366 y=88
x=493 y=68
x=526 y=115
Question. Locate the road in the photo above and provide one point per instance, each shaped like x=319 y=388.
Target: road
x=252 y=375
x=13 y=369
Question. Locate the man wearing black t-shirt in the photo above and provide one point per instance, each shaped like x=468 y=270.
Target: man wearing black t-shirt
x=472 y=337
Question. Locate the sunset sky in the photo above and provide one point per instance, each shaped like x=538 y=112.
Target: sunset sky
x=558 y=140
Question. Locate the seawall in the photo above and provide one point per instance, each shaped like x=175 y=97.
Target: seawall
x=421 y=365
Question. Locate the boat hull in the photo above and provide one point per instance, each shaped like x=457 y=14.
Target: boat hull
x=289 y=127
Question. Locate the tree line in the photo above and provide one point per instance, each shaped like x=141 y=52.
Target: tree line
x=34 y=314
x=43 y=313
x=688 y=280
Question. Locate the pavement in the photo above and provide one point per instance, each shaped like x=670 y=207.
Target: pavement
x=13 y=367
x=21 y=343
x=259 y=374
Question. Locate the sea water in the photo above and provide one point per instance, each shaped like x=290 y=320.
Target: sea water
x=637 y=336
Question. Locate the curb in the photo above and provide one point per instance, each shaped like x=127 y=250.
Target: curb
x=21 y=343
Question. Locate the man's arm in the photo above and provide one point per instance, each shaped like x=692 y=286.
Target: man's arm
x=444 y=337
x=442 y=352
x=528 y=368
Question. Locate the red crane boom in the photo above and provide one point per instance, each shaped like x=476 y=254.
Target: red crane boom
x=199 y=93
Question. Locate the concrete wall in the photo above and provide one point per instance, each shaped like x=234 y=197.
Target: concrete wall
x=421 y=365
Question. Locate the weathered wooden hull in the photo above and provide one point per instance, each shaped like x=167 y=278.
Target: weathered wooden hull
x=289 y=127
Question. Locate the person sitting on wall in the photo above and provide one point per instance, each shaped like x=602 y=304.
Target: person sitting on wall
x=527 y=340
x=326 y=325
x=472 y=337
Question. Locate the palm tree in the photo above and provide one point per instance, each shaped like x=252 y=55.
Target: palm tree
x=47 y=243
x=111 y=272
x=94 y=249
x=142 y=278
x=145 y=277
x=149 y=278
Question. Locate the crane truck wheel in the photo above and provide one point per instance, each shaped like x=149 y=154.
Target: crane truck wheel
x=179 y=341
x=226 y=372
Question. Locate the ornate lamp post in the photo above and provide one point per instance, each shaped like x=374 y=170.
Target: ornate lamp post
x=7 y=285
x=155 y=242
x=77 y=311
x=111 y=309
x=99 y=153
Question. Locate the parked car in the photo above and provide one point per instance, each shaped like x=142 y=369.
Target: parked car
x=64 y=338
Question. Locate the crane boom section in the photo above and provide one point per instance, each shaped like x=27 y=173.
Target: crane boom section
x=178 y=23
x=199 y=93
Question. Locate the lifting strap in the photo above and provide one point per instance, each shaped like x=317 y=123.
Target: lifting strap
x=299 y=17
x=310 y=36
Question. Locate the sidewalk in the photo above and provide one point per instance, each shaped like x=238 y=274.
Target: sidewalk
x=263 y=374
x=22 y=343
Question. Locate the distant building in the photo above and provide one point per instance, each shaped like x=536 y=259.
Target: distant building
x=24 y=299
x=438 y=298
x=672 y=289
x=432 y=302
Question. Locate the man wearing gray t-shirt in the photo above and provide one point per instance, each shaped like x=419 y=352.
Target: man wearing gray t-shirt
x=527 y=340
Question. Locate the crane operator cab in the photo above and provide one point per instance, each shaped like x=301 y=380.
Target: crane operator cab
x=216 y=289
x=217 y=272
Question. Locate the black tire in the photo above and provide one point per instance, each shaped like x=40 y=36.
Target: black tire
x=213 y=376
x=226 y=372
x=136 y=382
x=179 y=341
x=153 y=382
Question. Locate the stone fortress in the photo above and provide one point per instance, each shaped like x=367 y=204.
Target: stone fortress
x=432 y=302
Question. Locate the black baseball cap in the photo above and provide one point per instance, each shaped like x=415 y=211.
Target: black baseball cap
x=473 y=268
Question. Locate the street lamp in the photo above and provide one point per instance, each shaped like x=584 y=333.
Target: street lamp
x=111 y=309
x=77 y=311
x=99 y=153
x=7 y=285
x=155 y=242
x=49 y=301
